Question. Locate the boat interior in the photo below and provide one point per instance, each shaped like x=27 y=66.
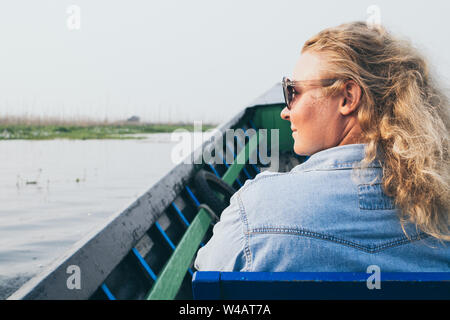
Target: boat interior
x=147 y=250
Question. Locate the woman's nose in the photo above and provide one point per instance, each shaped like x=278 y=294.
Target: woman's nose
x=285 y=113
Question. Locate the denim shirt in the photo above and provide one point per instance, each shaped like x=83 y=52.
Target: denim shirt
x=324 y=215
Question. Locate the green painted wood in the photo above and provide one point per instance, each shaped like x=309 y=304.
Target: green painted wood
x=269 y=118
x=169 y=281
x=240 y=161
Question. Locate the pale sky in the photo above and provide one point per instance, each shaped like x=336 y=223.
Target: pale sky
x=177 y=60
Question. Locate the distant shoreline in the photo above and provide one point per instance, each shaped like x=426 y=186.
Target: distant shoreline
x=86 y=130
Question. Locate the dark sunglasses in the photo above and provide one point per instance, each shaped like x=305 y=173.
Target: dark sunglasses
x=289 y=86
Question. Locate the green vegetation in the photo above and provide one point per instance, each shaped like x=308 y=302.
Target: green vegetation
x=10 y=131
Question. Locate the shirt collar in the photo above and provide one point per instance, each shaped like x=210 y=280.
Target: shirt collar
x=341 y=157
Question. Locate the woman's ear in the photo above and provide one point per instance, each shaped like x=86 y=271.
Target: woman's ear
x=352 y=97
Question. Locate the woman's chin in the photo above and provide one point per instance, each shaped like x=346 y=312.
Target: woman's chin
x=299 y=150
x=304 y=150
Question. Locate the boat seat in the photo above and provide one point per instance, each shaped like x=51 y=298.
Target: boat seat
x=214 y=285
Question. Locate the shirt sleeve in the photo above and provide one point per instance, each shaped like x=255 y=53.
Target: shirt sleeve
x=225 y=250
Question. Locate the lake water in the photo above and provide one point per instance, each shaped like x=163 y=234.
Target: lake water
x=54 y=192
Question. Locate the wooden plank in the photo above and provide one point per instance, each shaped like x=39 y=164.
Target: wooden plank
x=171 y=278
x=325 y=285
x=206 y=285
x=269 y=118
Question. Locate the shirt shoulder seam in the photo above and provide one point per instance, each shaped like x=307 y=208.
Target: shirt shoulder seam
x=247 y=252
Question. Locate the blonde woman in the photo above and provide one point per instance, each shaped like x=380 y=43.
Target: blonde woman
x=375 y=190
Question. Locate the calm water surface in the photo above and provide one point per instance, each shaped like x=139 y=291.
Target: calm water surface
x=54 y=192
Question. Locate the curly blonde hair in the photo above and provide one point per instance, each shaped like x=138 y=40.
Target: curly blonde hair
x=403 y=114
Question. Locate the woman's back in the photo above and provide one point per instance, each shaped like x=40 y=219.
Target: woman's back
x=324 y=215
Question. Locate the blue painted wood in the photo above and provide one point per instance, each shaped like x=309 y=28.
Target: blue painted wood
x=206 y=285
x=166 y=237
x=180 y=214
x=319 y=285
x=191 y=194
x=144 y=264
x=108 y=292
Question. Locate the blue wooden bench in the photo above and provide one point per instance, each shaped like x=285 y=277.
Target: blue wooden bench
x=212 y=285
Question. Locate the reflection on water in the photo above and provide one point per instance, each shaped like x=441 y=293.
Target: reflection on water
x=54 y=192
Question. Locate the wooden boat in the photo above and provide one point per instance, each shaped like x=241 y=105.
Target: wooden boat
x=147 y=250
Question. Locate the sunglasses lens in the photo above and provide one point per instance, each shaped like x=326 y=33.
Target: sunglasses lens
x=287 y=92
